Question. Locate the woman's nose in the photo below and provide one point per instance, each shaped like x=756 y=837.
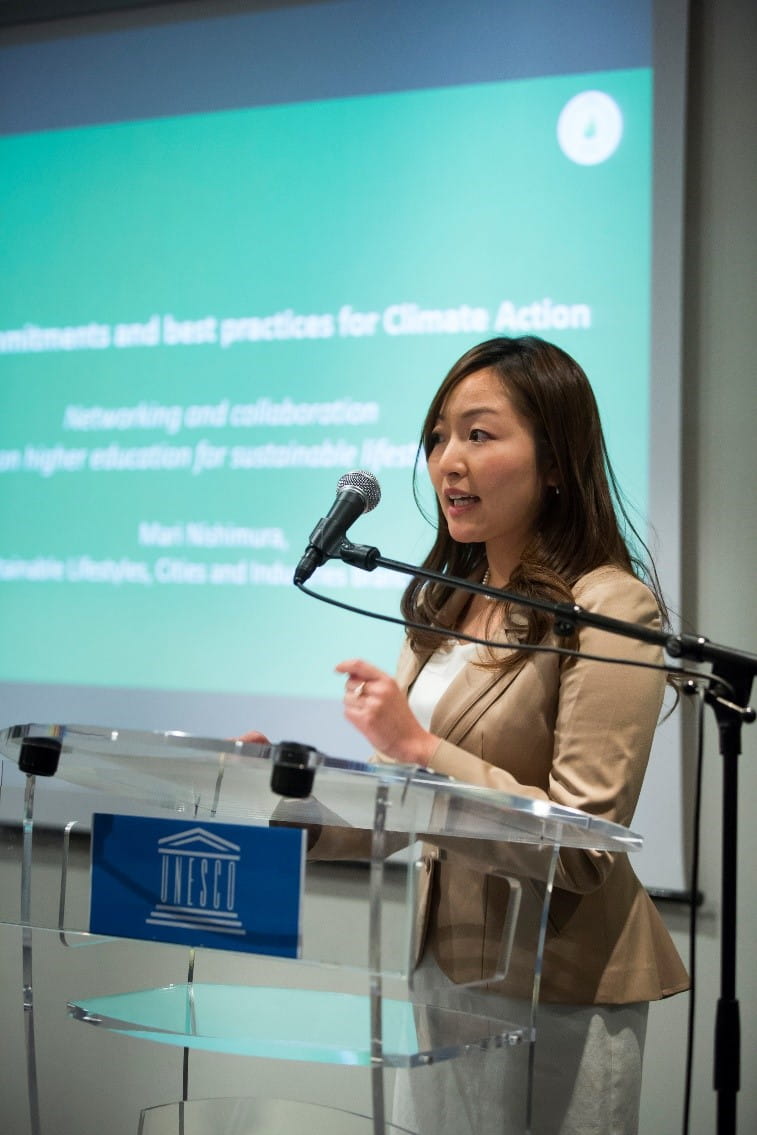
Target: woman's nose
x=451 y=458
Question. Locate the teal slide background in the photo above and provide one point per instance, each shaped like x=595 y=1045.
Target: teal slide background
x=438 y=198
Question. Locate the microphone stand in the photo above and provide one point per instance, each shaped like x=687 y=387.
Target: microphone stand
x=733 y=672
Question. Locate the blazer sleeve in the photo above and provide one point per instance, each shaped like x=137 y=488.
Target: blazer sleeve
x=606 y=717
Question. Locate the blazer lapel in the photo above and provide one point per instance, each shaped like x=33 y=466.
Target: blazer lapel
x=472 y=694
x=469 y=696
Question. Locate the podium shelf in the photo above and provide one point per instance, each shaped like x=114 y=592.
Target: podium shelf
x=287 y=1024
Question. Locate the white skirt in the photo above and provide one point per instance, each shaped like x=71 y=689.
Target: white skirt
x=587 y=1073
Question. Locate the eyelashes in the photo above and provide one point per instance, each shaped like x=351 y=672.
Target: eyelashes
x=477 y=436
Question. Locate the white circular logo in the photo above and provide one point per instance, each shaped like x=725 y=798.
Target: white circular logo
x=589 y=128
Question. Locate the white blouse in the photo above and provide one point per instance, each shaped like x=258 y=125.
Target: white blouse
x=441 y=669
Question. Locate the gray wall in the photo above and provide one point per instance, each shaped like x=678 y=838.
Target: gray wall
x=719 y=414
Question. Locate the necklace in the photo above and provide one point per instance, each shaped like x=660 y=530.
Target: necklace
x=485 y=583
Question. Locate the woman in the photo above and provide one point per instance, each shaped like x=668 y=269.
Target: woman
x=524 y=491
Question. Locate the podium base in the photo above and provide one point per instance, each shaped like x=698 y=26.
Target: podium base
x=234 y=1116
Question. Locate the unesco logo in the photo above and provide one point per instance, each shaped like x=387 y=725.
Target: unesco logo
x=198 y=876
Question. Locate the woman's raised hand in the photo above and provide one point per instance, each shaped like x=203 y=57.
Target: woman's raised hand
x=374 y=704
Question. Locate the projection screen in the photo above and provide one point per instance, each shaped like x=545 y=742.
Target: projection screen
x=241 y=247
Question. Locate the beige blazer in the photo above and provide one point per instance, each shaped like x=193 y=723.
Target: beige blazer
x=578 y=733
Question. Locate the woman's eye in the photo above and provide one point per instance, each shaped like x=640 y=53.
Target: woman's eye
x=434 y=439
x=478 y=435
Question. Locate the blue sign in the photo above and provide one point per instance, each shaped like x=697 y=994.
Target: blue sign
x=223 y=886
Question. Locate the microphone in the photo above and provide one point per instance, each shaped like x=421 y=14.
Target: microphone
x=356 y=492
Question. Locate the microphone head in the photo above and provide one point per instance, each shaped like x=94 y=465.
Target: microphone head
x=363 y=483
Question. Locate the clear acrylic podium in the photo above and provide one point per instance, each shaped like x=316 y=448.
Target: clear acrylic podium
x=347 y=998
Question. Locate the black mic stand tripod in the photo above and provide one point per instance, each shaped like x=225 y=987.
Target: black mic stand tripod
x=728 y=695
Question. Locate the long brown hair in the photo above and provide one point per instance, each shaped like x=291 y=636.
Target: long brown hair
x=578 y=526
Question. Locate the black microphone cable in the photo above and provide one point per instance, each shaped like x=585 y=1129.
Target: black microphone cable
x=525 y=647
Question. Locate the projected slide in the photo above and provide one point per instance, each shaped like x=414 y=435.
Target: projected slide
x=208 y=318
x=240 y=252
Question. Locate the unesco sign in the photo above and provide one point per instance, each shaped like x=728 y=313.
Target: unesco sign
x=223 y=886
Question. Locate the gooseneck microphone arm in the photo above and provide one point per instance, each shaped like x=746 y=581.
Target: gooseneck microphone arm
x=567 y=616
x=732 y=675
